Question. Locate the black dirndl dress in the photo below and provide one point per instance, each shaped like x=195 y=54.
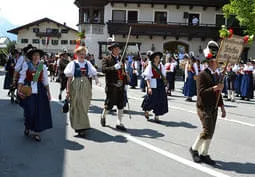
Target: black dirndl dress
x=157 y=101
x=37 y=110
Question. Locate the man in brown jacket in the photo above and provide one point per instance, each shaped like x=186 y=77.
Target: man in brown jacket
x=115 y=79
x=208 y=90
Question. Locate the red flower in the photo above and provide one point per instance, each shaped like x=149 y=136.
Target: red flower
x=230 y=33
x=246 y=38
x=209 y=55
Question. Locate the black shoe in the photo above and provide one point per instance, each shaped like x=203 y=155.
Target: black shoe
x=121 y=127
x=102 y=121
x=242 y=98
x=207 y=159
x=225 y=96
x=195 y=155
x=189 y=100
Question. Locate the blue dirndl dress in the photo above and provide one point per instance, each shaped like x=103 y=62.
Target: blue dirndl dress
x=37 y=110
x=247 y=85
x=189 y=89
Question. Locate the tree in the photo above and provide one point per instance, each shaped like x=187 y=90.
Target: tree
x=244 y=10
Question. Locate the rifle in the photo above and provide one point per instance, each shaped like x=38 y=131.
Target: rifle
x=123 y=67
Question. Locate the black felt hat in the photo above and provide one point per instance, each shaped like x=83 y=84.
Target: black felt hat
x=33 y=50
x=152 y=56
x=113 y=45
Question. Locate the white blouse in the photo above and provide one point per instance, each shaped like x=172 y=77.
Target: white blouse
x=148 y=71
x=23 y=73
x=19 y=63
x=69 y=70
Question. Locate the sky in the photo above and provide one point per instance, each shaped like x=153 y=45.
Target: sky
x=21 y=12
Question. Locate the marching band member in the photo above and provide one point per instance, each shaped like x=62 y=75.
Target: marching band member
x=170 y=73
x=191 y=71
x=238 y=71
x=135 y=73
x=208 y=90
x=37 y=110
x=156 y=98
x=79 y=90
x=145 y=62
x=115 y=78
x=247 y=82
x=62 y=77
x=231 y=77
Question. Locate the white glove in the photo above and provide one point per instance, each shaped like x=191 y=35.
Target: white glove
x=117 y=66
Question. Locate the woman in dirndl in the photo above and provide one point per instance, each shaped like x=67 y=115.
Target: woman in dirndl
x=37 y=110
x=170 y=74
x=156 y=98
x=247 y=91
x=191 y=71
x=79 y=90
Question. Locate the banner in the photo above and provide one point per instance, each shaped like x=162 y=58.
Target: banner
x=231 y=50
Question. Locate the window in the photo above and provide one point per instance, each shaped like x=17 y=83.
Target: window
x=54 y=31
x=119 y=16
x=194 y=19
x=43 y=41
x=132 y=16
x=54 y=42
x=64 y=30
x=24 y=41
x=36 y=30
x=36 y=41
x=220 y=20
x=48 y=30
x=160 y=17
x=86 y=16
x=72 y=42
x=64 y=42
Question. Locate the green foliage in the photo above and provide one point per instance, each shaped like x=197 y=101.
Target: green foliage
x=11 y=46
x=244 y=11
x=81 y=35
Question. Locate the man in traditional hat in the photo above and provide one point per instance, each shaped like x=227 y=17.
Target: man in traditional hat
x=208 y=91
x=116 y=79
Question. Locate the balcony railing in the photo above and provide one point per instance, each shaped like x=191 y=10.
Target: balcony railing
x=45 y=34
x=174 y=29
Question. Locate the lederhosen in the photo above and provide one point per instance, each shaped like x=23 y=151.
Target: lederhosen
x=115 y=93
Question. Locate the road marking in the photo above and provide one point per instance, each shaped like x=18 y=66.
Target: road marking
x=194 y=112
x=168 y=154
x=175 y=157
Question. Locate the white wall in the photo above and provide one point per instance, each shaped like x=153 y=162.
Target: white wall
x=30 y=35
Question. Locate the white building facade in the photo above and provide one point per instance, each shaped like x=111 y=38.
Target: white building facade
x=156 y=25
x=46 y=34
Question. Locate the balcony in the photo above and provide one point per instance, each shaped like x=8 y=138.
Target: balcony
x=173 y=29
x=45 y=34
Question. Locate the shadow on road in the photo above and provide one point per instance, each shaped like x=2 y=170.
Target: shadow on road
x=145 y=133
x=21 y=156
x=244 y=168
x=174 y=124
x=102 y=137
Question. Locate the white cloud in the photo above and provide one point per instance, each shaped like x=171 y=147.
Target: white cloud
x=21 y=12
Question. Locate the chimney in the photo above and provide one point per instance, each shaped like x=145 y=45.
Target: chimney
x=64 y=23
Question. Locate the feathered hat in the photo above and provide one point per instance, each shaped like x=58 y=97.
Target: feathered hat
x=211 y=50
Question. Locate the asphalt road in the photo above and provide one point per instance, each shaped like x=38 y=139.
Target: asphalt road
x=147 y=149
